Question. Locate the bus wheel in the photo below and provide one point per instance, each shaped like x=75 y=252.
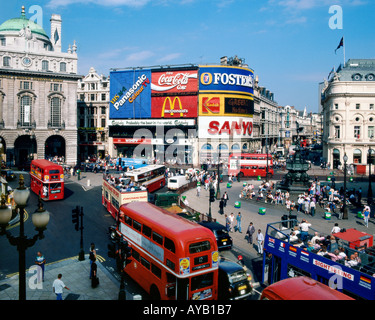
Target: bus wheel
x=154 y=293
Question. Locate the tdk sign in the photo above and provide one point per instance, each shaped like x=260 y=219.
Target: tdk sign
x=230 y=79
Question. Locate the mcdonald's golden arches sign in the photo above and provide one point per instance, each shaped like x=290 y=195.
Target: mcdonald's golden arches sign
x=174 y=107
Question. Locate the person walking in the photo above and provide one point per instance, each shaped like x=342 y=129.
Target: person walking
x=40 y=261
x=260 y=240
x=221 y=206
x=231 y=218
x=226 y=198
x=239 y=218
x=366 y=215
x=198 y=190
x=227 y=222
x=58 y=286
x=250 y=231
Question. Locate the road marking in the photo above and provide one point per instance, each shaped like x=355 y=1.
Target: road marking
x=99 y=258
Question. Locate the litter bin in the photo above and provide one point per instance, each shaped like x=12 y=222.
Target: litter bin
x=360 y=215
x=229 y=185
x=237 y=204
x=327 y=215
x=259 y=178
x=244 y=184
x=262 y=211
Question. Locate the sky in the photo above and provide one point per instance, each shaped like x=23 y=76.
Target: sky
x=290 y=44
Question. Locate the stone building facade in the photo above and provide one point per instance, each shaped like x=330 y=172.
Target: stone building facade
x=38 y=90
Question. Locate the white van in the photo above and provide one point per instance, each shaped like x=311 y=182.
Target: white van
x=176 y=182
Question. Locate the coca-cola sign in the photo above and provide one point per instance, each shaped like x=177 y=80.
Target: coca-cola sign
x=174 y=81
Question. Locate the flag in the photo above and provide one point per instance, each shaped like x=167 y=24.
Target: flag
x=341 y=44
x=331 y=72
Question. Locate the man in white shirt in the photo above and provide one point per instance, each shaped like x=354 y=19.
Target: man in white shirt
x=260 y=240
x=58 y=287
x=304 y=225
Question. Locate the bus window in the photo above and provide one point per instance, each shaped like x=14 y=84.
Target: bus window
x=137 y=226
x=202 y=281
x=199 y=247
x=128 y=221
x=169 y=245
x=135 y=255
x=157 y=238
x=170 y=264
x=146 y=231
x=145 y=263
x=156 y=270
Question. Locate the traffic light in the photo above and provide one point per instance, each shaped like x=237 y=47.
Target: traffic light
x=75 y=217
x=126 y=252
x=212 y=195
x=111 y=250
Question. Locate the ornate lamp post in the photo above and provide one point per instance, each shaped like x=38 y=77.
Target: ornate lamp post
x=40 y=219
x=344 y=208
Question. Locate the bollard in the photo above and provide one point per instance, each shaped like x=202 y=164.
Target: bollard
x=88 y=182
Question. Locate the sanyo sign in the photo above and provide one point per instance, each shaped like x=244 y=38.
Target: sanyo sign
x=233 y=79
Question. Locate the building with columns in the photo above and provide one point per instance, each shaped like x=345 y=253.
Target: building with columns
x=348 y=101
x=38 y=92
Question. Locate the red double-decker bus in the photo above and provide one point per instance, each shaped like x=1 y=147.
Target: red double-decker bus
x=47 y=179
x=171 y=258
x=250 y=164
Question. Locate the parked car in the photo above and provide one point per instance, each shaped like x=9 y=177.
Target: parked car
x=8 y=174
x=234 y=281
x=223 y=239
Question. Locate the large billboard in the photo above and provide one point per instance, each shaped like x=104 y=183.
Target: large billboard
x=225 y=127
x=174 y=107
x=130 y=94
x=225 y=105
x=175 y=82
x=226 y=79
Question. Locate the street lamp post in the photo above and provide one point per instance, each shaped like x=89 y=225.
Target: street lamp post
x=369 y=193
x=40 y=219
x=344 y=208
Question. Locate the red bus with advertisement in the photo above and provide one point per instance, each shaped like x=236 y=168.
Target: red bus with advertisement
x=47 y=179
x=250 y=164
x=152 y=177
x=113 y=197
x=171 y=258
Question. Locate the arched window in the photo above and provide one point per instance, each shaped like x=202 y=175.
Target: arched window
x=206 y=146
x=25 y=111
x=55 y=112
x=62 y=67
x=357 y=156
x=236 y=146
x=222 y=147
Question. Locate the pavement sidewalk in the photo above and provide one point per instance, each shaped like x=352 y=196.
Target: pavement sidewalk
x=75 y=275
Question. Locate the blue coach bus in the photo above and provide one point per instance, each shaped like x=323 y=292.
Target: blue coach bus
x=132 y=163
x=284 y=258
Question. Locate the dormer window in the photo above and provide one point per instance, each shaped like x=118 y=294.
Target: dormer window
x=370 y=77
x=357 y=77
